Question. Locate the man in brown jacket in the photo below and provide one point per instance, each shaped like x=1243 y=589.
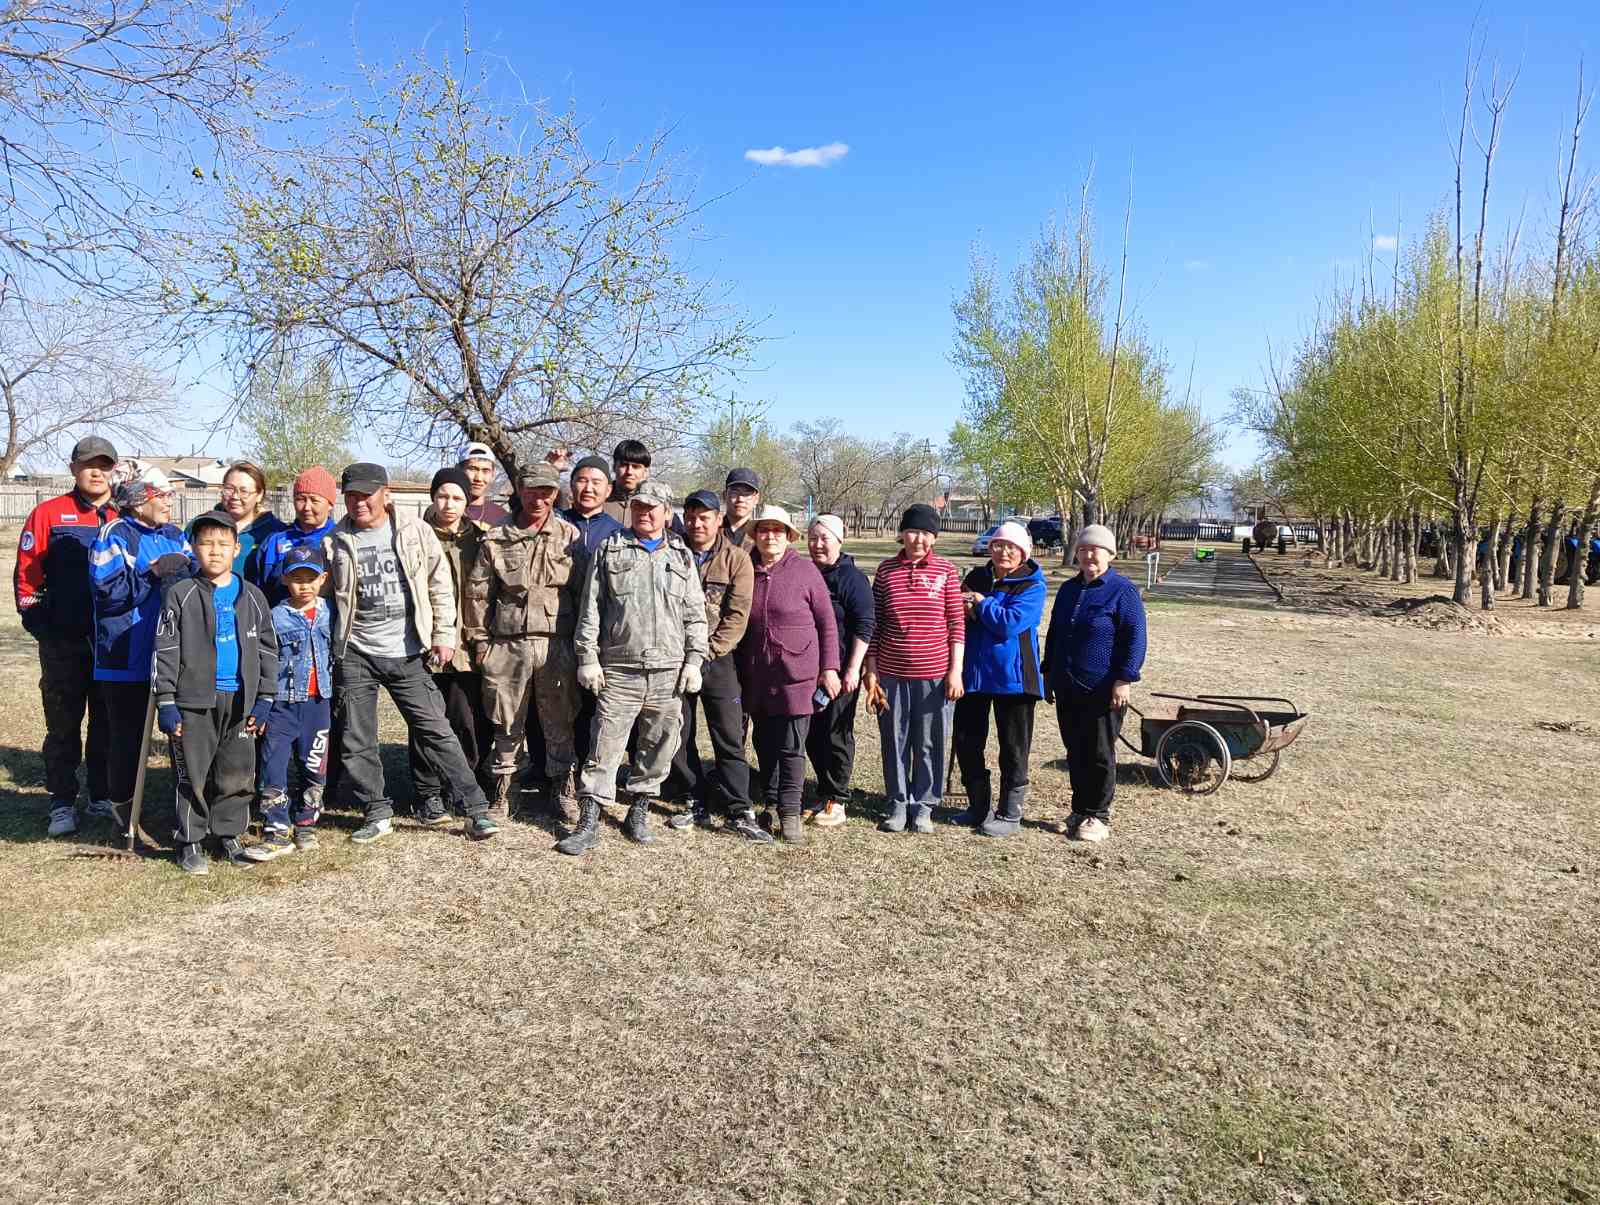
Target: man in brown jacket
x=521 y=607
x=728 y=578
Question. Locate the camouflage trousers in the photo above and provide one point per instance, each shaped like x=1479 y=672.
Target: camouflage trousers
x=66 y=684
x=540 y=671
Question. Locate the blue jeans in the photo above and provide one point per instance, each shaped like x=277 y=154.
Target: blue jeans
x=295 y=732
x=356 y=679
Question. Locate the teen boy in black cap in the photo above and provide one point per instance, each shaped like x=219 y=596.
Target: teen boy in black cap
x=742 y=493
x=215 y=677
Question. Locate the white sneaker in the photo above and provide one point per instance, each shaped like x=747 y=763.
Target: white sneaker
x=373 y=831
x=1093 y=830
x=100 y=809
x=63 y=820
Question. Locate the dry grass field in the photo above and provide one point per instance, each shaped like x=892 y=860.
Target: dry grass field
x=1371 y=978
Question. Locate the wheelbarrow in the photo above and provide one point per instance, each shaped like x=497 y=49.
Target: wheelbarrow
x=1198 y=742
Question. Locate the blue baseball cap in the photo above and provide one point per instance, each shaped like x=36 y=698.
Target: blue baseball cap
x=303 y=556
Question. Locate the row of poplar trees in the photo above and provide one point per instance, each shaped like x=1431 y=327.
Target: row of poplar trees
x=1454 y=407
x=1069 y=401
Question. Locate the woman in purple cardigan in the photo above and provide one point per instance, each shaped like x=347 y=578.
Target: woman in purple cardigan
x=788 y=662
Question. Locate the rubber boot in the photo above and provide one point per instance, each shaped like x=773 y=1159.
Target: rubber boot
x=922 y=817
x=587 y=835
x=1006 y=820
x=793 y=830
x=638 y=822
x=895 y=821
x=500 y=803
x=977 y=809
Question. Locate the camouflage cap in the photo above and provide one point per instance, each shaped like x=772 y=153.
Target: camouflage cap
x=653 y=493
x=535 y=475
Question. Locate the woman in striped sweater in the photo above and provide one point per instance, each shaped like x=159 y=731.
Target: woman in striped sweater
x=915 y=655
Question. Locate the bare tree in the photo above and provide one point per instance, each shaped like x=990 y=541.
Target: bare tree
x=473 y=270
x=99 y=101
x=66 y=369
x=837 y=471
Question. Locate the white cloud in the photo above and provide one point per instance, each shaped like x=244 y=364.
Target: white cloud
x=1384 y=242
x=806 y=156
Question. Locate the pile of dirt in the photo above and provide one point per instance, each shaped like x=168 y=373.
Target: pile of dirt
x=1438 y=613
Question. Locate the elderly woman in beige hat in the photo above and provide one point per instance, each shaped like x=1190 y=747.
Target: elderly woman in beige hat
x=1093 y=650
x=788 y=661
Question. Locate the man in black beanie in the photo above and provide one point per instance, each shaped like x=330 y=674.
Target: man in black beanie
x=591 y=486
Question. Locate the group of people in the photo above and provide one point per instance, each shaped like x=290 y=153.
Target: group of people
x=566 y=651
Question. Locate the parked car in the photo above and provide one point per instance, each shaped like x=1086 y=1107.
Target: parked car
x=980 y=546
x=1045 y=532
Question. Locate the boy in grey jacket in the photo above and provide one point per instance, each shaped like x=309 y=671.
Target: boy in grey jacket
x=216 y=672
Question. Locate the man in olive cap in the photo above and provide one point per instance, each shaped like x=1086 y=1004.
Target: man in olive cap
x=521 y=607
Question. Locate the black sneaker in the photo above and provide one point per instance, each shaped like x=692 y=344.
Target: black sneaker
x=233 y=850
x=274 y=843
x=431 y=813
x=192 y=860
x=744 y=825
x=693 y=816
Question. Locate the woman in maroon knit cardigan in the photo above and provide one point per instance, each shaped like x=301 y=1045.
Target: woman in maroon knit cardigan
x=790 y=653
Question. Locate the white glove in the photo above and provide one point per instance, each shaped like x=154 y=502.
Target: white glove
x=689 y=680
x=592 y=678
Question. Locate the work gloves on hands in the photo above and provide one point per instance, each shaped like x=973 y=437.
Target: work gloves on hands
x=689 y=680
x=169 y=719
x=592 y=678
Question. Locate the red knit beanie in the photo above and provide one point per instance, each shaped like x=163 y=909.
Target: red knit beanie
x=317 y=480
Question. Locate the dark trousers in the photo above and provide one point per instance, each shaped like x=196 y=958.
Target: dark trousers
x=1089 y=729
x=463 y=711
x=215 y=761
x=127 y=719
x=357 y=678
x=724 y=710
x=296 y=732
x=66 y=684
x=1013 y=722
x=780 y=742
x=831 y=746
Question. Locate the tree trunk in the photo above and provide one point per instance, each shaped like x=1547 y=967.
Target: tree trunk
x=1550 y=551
x=1397 y=554
x=1580 y=554
x=1502 y=577
x=1412 y=541
x=1530 y=550
x=1464 y=539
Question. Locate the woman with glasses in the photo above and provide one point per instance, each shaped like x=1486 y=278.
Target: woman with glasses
x=244 y=497
x=133 y=558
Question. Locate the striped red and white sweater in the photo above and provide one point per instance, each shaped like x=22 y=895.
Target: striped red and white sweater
x=919 y=616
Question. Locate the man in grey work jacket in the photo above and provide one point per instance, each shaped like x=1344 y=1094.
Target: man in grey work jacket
x=641 y=639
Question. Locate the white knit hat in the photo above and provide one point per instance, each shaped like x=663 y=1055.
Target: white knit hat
x=1096 y=536
x=831 y=523
x=1013 y=532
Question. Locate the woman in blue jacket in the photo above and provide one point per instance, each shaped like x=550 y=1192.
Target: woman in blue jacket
x=1004 y=603
x=133 y=558
x=1093 y=650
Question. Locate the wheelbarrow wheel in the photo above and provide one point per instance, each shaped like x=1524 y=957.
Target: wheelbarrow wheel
x=1193 y=758
x=1255 y=769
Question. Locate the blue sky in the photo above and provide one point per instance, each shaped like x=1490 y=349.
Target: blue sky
x=1262 y=141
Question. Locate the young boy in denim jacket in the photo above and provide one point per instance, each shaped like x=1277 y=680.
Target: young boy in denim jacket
x=298 y=725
